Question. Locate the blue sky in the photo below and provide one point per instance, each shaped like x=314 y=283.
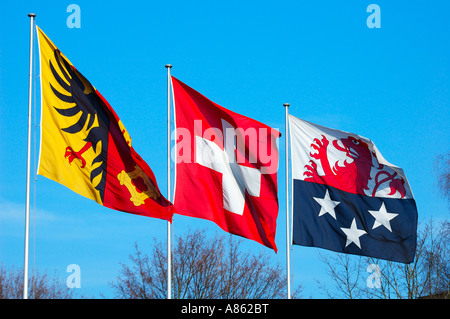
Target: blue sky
x=389 y=84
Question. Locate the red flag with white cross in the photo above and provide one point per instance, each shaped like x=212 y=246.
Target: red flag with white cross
x=226 y=167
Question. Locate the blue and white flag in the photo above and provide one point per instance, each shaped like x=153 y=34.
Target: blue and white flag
x=347 y=197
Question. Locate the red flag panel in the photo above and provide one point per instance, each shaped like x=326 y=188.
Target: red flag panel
x=226 y=167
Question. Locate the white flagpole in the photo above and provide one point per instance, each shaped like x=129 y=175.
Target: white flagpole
x=288 y=245
x=27 y=207
x=169 y=225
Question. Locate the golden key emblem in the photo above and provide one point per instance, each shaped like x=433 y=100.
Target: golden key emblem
x=138 y=197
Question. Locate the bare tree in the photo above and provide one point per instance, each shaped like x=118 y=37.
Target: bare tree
x=203 y=267
x=341 y=269
x=41 y=286
x=436 y=262
x=427 y=276
x=442 y=168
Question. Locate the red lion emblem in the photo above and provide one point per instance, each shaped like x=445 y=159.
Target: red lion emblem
x=354 y=176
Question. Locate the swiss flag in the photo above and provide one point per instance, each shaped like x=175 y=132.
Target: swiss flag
x=226 y=167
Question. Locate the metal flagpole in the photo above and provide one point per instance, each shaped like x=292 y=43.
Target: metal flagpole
x=169 y=224
x=27 y=207
x=288 y=246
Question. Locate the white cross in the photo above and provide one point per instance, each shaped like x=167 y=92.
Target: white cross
x=236 y=178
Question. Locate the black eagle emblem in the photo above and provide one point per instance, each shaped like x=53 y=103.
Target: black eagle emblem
x=81 y=93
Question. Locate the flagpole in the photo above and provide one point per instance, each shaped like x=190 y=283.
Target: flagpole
x=169 y=225
x=27 y=205
x=288 y=258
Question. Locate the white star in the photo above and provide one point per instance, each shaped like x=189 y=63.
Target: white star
x=353 y=234
x=327 y=205
x=382 y=217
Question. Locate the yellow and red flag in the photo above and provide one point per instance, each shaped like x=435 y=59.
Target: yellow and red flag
x=85 y=146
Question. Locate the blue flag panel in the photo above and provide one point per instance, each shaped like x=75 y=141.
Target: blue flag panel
x=329 y=218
